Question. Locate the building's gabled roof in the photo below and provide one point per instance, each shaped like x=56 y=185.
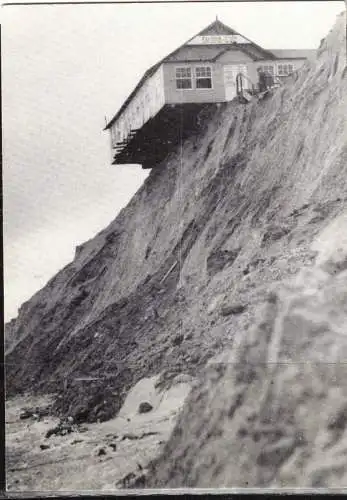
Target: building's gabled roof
x=196 y=53
x=257 y=53
x=190 y=53
x=252 y=51
x=216 y=28
x=293 y=53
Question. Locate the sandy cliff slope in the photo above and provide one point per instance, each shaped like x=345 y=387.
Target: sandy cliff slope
x=183 y=272
x=272 y=412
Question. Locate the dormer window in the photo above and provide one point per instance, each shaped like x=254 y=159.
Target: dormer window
x=184 y=78
x=203 y=76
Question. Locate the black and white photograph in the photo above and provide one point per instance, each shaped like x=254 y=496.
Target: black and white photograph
x=175 y=246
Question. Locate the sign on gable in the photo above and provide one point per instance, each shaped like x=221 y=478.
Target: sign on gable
x=217 y=39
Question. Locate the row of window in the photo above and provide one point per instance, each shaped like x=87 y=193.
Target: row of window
x=202 y=77
x=282 y=69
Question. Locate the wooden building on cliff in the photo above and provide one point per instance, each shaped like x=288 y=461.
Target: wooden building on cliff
x=164 y=104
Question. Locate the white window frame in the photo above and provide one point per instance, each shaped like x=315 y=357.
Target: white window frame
x=178 y=78
x=282 y=72
x=196 y=78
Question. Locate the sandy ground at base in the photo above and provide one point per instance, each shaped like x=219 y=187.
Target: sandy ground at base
x=71 y=463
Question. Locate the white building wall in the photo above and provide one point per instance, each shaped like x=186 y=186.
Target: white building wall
x=149 y=99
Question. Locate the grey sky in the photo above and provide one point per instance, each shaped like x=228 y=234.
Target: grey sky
x=67 y=66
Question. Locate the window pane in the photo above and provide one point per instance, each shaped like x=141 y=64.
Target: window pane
x=203 y=83
x=183 y=83
x=285 y=69
x=203 y=71
x=183 y=78
x=183 y=72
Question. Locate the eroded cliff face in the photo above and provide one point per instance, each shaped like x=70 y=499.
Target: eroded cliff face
x=183 y=271
x=272 y=411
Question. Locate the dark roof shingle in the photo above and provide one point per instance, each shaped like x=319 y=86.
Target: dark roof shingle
x=196 y=53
